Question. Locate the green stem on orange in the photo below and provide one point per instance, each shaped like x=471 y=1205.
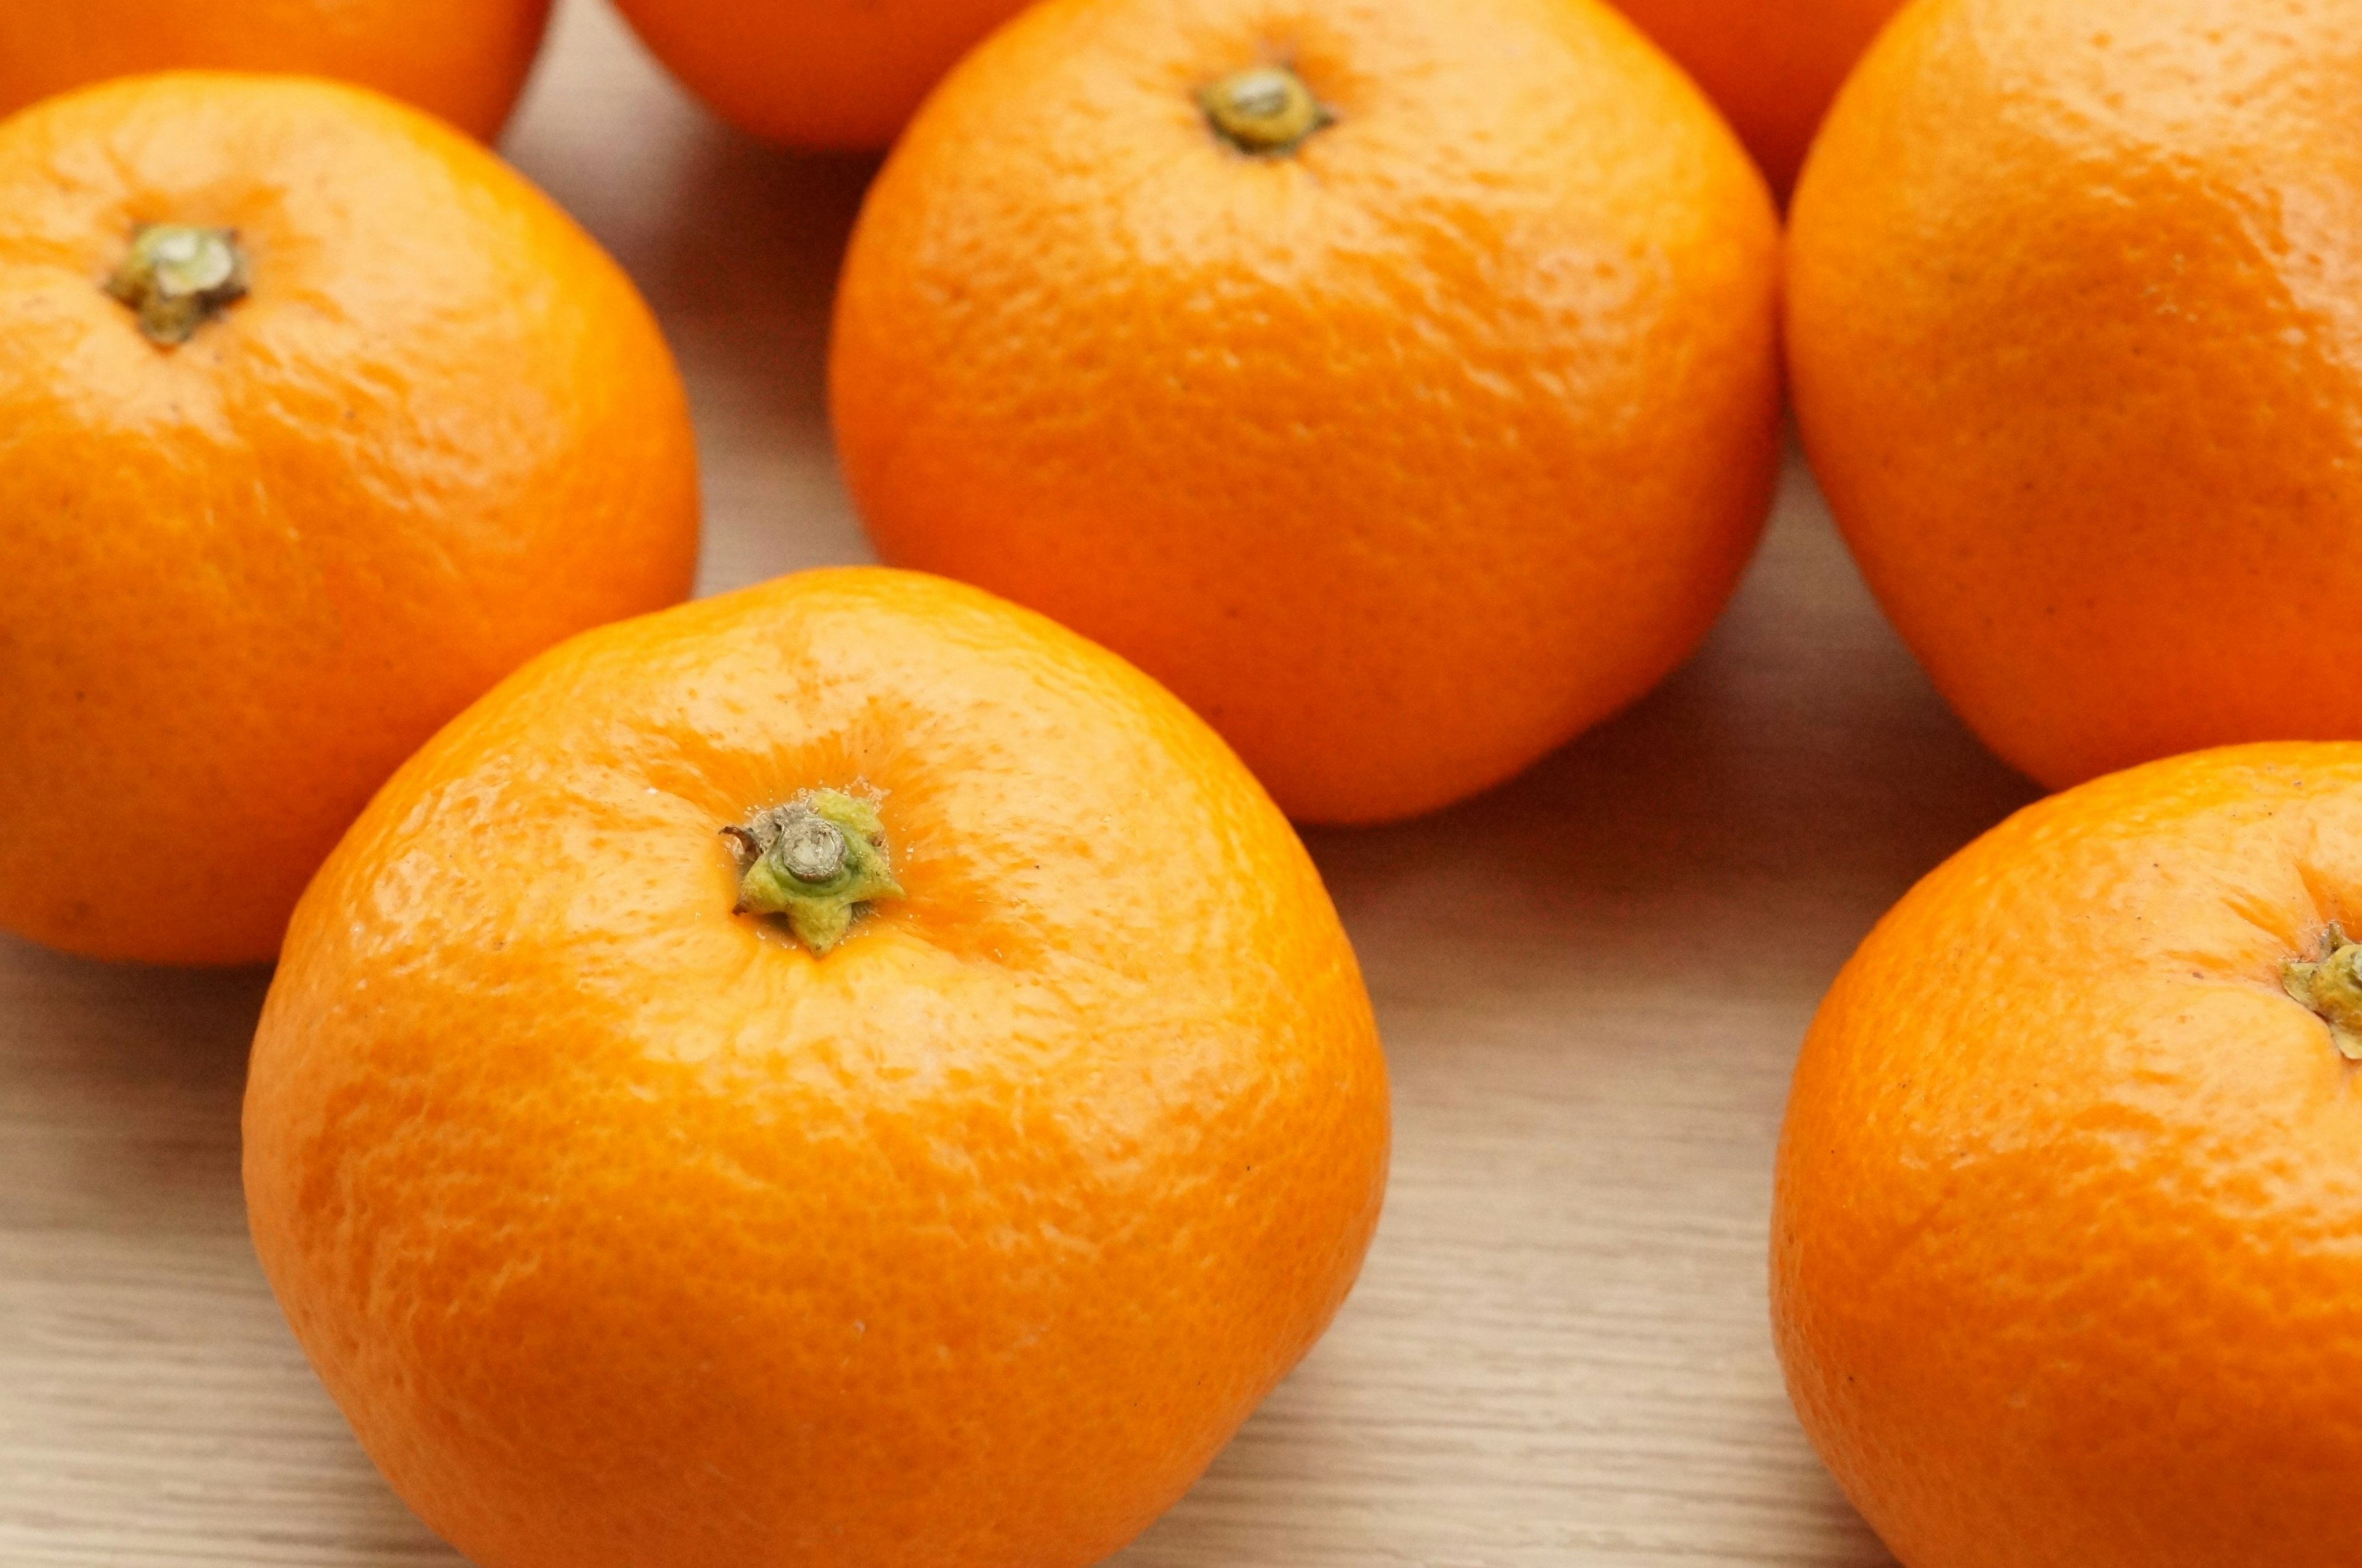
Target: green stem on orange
x=818 y=863
x=178 y=277
x=2332 y=988
x=1264 y=110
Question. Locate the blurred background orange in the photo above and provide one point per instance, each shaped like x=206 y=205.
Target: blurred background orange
x=813 y=72
x=464 y=60
x=1771 y=65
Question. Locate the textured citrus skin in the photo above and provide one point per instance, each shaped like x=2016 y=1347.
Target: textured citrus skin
x=628 y=1233
x=813 y=72
x=1402 y=457
x=2076 y=335
x=1771 y=65
x=242 y=579
x=2063 y=1260
x=464 y=60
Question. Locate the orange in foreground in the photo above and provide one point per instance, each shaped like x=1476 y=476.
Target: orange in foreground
x=2078 y=361
x=813 y=72
x=318 y=421
x=1771 y=65
x=464 y=60
x=956 y=1214
x=1397 y=383
x=2063 y=1246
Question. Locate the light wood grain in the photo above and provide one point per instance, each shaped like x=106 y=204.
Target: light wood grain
x=1591 y=984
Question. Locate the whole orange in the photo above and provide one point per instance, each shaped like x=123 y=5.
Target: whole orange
x=2063 y=1262
x=464 y=60
x=813 y=72
x=631 y=1230
x=1771 y=65
x=2078 y=358
x=419 y=429
x=1403 y=439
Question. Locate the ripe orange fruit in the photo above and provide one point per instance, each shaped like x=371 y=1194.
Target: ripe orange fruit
x=420 y=427
x=1415 y=421
x=1771 y=67
x=2063 y=1244
x=813 y=72
x=2077 y=359
x=628 y=1230
x=464 y=60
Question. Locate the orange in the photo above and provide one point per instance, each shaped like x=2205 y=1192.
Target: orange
x=2063 y=1246
x=464 y=60
x=242 y=577
x=628 y=1230
x=813 y=72
x=2078 y=360
x=1771 y=65
x=1417 y=420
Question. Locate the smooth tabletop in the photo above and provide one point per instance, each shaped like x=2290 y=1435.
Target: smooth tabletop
x=1590 y=982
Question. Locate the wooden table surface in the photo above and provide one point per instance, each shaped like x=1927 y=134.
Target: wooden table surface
x=1591 y=984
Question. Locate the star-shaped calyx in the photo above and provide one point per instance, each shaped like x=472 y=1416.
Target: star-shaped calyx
x=818 y=863
x=2332 y=988
x=178 y=277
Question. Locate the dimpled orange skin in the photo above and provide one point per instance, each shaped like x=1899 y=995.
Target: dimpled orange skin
x=627 y=1233
x=2075 y=325
x=813 y=72
x=464 y=60
x=1771 y=65
x=1403 y=457
x=2063 y=1262
x=242 y=579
